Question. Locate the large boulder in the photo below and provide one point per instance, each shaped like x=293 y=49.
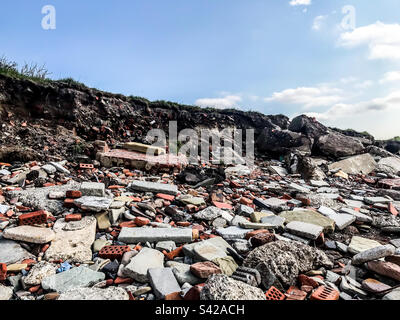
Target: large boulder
x=286 y=260
x=363 y=164
x=393 y=146
x=221 y=287
x=282 y=142
x=308 y=126
x=337 y=145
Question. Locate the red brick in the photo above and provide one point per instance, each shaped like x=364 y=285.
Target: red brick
x=325 y=293
x=295 y=293
x=307 y=281
x=274 y=294
x=3 y=271
x=174 y=253
x=204 y=269
x=222 y=205
x=73 y=217
x=141 y=221
x=113 y=252
x=255 y=232
x=34 y=289
x=246 y=201
x=183 y=224
x=393 y=210
x=120 y=280
x=194 y=292
x=37 y=217
x=69 y=203
x=86 y=166
x=73 y=194
x=128 y=224
x=176 y=296
x=165 y=196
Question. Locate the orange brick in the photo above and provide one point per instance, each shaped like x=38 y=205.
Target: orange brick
x=37 y=217
x=173 y=254
x=74 y=194
x=141 y=221
x=120 y=280
x=325 y=293
x=73 y=217
x=69 y=203
x=165 y=196
x=113 y=252
x=3 y=271
x=246 y=201
x=274 y=294
x=295 y=293
x=255 y=232
x=173 y=296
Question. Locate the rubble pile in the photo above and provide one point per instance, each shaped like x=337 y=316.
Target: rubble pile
x=84 y=215
x=213 y=232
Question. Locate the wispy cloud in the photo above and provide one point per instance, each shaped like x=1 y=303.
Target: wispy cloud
x=318 y=22
x=300 y=2
x=392 y=76
x=308 y=97
x=382 y=40
x=228 y=101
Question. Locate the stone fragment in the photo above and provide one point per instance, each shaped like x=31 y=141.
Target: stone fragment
x=286 y=260
x=74 y=244
x=38 y=272
x=209 y=214
x=309 y=216
x=221 y=287
x=227 y=265
x=103 y=222
x=363 y=164
x=163 y=282
x=5 y=293
x=93 y=189
x=138 y=266
x=233 y=232
x=11 y=252
x=303 y=229
x=29 y=234
x=145 y=186
x=373 y=254
x=182 y=273
x=136 y=235
x=111 y=293
x=206 y=251
x=360 y=244
x=72 y=279
x=90 y=203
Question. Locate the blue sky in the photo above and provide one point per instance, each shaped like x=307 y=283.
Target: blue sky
x=273 y=56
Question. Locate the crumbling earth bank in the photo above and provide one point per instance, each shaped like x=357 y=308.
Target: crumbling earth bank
x=85 y=216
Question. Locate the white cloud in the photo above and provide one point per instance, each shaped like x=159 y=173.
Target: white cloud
x=300 y=2
x=391 y=76
x=342 y=110
x=226 y=102
x=309 y=97
x=383 y=40
x=365 y=84
x=318 y=22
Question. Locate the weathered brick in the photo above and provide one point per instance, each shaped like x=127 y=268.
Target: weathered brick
x=325 y=293
x=37 y=217
x=274 y=294
x=113 y=252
